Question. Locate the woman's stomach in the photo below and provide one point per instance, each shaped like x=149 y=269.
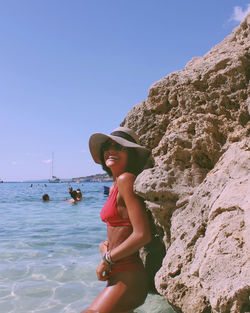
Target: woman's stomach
x=117 y=235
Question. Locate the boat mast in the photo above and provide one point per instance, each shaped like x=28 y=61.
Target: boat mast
x=52 y=165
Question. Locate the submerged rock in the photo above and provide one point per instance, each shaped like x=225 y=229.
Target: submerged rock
x=196 y=121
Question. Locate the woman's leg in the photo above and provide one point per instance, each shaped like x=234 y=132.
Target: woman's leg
x=124 y=292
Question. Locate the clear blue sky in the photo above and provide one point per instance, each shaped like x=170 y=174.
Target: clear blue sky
x=72 y=68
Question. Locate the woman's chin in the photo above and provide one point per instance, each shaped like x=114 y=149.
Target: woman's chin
x=110 y=163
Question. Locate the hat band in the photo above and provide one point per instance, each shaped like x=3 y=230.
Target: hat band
x=123 y=135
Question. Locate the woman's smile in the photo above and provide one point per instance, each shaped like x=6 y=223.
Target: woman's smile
x=113 y=157
x=116 y=160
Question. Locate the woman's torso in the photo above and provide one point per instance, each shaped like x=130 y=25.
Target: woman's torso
x=117 y=235
x=119 y=227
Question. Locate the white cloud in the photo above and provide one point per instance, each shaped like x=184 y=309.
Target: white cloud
x=47 y=161
x=83 y=150
x=239 y=14
x=14 y=163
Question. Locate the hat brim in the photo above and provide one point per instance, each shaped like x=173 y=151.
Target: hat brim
x=96 y=141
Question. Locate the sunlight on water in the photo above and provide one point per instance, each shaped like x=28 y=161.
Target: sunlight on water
x=49 y=251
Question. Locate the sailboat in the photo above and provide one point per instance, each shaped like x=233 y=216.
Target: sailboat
x=53 y=179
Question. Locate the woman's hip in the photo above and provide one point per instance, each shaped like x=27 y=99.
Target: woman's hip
x=131 y=263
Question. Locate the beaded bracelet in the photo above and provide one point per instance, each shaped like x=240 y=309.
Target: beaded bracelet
x=107 y=259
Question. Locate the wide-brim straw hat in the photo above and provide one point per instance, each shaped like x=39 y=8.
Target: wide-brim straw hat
x=122 y=135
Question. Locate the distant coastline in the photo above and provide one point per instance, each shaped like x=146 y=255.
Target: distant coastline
x=91 y=178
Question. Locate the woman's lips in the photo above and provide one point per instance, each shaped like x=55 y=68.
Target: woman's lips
x=112 y=157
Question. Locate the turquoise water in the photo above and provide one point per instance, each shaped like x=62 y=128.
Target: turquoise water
x=49 y=250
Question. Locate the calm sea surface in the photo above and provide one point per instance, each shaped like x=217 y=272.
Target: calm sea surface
x=49 y=251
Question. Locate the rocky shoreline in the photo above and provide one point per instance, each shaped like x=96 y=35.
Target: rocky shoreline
x=196 y=122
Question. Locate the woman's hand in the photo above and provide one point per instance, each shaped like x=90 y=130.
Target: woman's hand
x=103 y=247
x=102 y=271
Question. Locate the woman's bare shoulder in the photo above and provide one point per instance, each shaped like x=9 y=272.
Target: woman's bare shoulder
x=126 y=178
x=125 y=183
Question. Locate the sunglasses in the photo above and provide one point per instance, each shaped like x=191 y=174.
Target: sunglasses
x=106 y=146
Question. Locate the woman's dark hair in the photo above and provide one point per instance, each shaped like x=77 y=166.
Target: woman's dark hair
x=135 y=164
x=73 y=194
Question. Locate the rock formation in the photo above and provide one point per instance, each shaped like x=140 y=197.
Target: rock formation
x=196 y=121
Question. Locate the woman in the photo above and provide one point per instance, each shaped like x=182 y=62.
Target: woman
x=128 y=228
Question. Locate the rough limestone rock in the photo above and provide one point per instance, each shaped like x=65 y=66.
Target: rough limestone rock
x=196 y=121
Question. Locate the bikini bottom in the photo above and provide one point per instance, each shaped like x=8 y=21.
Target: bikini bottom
x=131 y=263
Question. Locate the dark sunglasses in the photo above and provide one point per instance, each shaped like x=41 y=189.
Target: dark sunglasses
x=114 y=145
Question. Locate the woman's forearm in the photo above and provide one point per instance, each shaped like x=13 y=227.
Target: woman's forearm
x=130 y=246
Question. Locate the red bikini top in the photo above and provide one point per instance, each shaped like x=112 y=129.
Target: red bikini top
x=109 y=213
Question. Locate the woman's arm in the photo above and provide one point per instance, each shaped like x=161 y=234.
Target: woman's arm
x=103 y=269
x=141 y=234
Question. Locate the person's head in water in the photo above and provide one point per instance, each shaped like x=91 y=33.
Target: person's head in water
x=46 y=197
x=79 y=194
x=75 y=194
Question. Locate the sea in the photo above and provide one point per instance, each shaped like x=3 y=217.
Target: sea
x=49 y=250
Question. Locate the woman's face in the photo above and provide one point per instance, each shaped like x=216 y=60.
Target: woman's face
x=115 y=156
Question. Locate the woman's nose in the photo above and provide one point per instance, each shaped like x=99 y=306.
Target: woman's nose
x=112 y=148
